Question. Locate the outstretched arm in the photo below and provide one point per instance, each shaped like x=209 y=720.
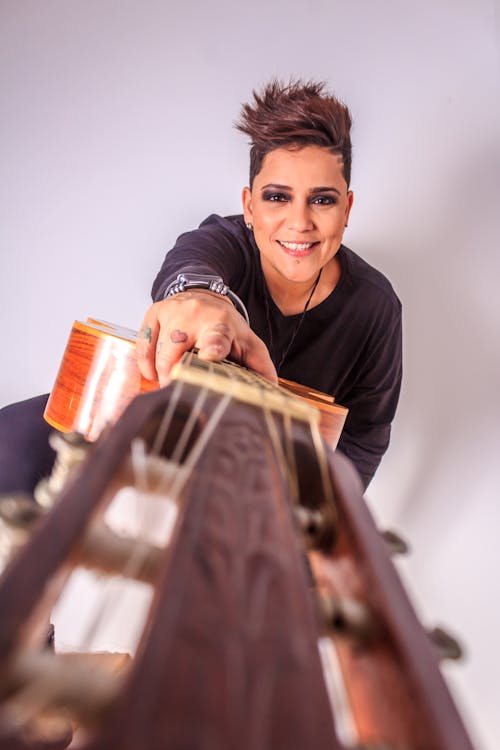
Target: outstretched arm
x=201 y=319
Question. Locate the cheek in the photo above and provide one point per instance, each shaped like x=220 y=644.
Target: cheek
x=336 y=224
x=264 y=218
x=265 y=226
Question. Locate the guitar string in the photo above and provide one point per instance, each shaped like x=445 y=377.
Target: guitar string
x=285 y=456
x=189 y=427
x=286 y=462
x=109 y=594
x=290 y=453
x=135 y=560
x=281 y=458
x=167 y=418
x=324 y=468
x=32 y=695
x=286 y=459
x=172 y=487
x=332 y=674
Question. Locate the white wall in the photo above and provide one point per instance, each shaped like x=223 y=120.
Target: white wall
x=116 y=136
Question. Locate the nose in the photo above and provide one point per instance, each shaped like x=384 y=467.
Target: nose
x=299 y=217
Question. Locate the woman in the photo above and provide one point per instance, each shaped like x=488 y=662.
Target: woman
x=275 y=288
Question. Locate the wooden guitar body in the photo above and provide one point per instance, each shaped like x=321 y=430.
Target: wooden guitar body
x=99 y=377
x=277 y=620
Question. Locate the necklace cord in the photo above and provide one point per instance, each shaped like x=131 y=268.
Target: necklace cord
x=295 y=331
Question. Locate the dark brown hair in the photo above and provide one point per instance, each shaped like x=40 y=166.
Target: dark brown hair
x=295 y=115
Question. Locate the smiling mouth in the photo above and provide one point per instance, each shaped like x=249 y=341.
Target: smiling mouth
x=297 y=247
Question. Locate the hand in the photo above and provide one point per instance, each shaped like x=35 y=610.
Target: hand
x=197 y=318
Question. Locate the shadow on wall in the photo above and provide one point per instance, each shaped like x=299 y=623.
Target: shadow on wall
x=452 y=368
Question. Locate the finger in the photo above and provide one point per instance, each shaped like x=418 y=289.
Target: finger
x=145 y=347
x=214 y=343
x=170 y=347
x=262 y=364
x=256 y=357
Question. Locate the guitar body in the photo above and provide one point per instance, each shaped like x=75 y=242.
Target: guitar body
x=99 y=376
x=97 y=379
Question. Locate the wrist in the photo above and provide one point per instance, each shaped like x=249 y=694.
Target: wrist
x=214 y=285
x=198 y=292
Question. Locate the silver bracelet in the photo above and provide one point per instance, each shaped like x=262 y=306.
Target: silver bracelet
x=215 y=284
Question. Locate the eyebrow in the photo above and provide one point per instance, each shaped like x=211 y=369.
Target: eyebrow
x=321 y=189
x=325 y=189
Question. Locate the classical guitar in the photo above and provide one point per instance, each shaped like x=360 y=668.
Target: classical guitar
x=98 y=378
x=275 y=620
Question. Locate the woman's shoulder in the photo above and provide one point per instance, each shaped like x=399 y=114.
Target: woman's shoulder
x=368 y=280
x=234 y=224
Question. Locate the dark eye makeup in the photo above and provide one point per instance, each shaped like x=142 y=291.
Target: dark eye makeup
x=324 y=200
x=274 y=196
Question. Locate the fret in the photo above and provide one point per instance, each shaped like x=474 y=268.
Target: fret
x=242 y=385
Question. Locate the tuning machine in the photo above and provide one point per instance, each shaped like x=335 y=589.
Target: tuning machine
x=448 y=647
x=318 y=526
x=396 y=545
x=347 y=617
x=19 y=514
x=71 y=449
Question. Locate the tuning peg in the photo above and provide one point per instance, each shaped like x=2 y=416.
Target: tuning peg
x=395 y=543
x=318 y=527
x=18 y=510
x=39 y=681
x=71 y=448
x=447 y=645
x=18 y=515
x=102 y=549
x=348 y=617
x=310 y=520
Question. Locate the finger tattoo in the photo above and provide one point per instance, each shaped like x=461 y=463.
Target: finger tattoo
x=178 y=337
x=146 y=333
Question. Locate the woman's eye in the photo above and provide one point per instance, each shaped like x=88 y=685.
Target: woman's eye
x=324 y=200
x=275 y=197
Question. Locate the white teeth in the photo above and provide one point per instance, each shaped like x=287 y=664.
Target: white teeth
x=297 y=245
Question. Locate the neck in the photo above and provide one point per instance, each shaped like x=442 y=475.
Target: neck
x=291 y=297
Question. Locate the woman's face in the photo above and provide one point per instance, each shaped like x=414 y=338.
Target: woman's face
x=298 y=206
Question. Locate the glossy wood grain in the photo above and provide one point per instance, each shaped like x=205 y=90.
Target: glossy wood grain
x=229 y=657
x=97 y=379
x=99 y=376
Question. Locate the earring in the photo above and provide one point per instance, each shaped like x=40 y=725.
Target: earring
x=249 y=226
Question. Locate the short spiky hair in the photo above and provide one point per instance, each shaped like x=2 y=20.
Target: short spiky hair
x=297 y=114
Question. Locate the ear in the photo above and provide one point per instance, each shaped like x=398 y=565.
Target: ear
x=246 y=199
x=349 y=202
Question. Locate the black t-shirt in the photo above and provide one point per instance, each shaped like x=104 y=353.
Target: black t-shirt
x=349 y=345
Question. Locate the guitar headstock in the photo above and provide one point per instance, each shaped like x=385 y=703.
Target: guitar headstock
x=273 y=617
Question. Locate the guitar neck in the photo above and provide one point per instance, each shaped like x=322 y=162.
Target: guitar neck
x=237 y=646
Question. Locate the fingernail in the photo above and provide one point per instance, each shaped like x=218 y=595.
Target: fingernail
x=214 y=350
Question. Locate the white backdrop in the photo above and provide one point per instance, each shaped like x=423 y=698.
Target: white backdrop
x=116 y=135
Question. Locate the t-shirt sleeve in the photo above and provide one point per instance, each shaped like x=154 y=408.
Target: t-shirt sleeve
x=215 y=248
x=374 y=395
